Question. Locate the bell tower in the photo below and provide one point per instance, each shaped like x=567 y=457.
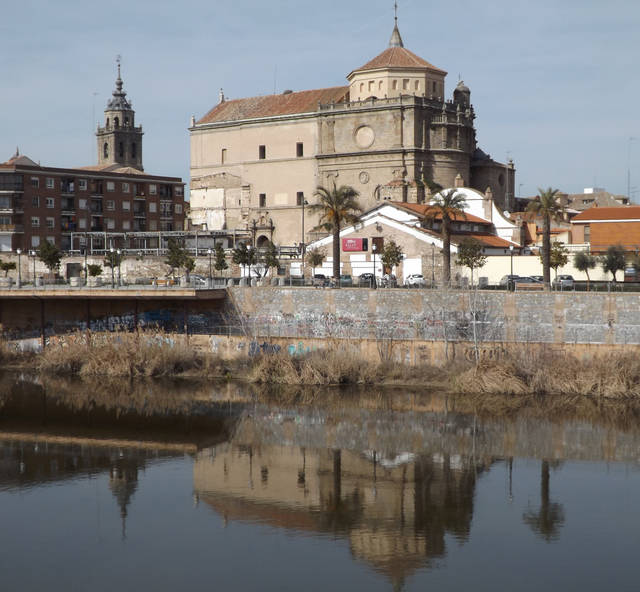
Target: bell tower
x=120 y=141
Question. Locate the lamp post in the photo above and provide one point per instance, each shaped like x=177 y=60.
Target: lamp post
x=209 y=252
x=433 y=264
x=302 y=243
x=85 y=262
x=32 y=253
x=113 y=281
x=19 y=251
x=374 y=248
x=119 y=253
x=511 y=253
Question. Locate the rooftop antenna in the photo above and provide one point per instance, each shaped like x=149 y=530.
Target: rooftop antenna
x=631 y=140
x=395 y=11
x=118 y=61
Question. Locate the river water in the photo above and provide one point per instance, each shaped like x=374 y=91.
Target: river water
x=167 y=486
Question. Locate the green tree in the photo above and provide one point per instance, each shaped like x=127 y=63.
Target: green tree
x=112 y=259
x=391 y=255
x=613 y=260
x=50 y=255
x=94 y=270
x=220 y=259
x=559 y=256
x=337 y=207
x=244 y=256
x=7 y=266
x=549 y=208
x=471 y=254
x=447 y=205
x=178 y=257
x=583 y=262
x=270 y=258
x=315 y=258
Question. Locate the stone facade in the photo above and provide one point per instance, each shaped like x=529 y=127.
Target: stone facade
x=390 y=134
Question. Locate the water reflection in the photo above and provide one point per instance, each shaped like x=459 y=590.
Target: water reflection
x=549 y=518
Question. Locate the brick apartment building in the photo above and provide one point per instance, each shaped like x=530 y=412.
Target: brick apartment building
x=113 y=203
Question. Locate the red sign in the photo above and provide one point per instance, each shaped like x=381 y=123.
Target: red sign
x=355 y=244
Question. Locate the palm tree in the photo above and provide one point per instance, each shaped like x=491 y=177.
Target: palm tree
x=448 y=205
x=337 y=206
x=547 y=206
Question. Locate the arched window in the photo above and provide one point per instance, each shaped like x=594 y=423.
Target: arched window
x=362 y=87
x=395 y=85
x=417 y=85
x=107 y=122
x=121 y=149
x=116 y=122
x=134 y=150
x=105 y=150
x=126 y=122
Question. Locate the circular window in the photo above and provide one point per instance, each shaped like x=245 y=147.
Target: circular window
x=364 y=136
x=364 y=177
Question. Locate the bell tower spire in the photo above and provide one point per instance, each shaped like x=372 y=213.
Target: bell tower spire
x=396 y=39
x=120 y=141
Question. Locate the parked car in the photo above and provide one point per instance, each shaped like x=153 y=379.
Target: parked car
x=507 y=280
x=367 y=280
x=346 y=281
x=320 y=280
x=564 y=282
x=538 y=278
x=198 y=281
x=388 y=280
x=415 y=280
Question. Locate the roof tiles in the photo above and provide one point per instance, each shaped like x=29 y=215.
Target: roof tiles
x=604 y=214
x=398 y=57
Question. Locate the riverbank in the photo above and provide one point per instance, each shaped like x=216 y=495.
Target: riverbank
x=520 y=371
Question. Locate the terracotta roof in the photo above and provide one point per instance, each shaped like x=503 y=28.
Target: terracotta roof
x=604 y=214
x=113 y=168
x=398 y=57
x=305 y=101
x=424 y=210
x=488 y=240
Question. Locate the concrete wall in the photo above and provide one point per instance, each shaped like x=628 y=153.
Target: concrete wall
x=551 y=318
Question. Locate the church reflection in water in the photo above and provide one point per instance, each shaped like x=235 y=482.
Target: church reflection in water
x=395 y=510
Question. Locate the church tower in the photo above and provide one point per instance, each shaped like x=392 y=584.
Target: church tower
x=120 y=141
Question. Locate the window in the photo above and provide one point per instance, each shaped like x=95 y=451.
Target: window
x=416 y=85
x=394 y=85
x=35 y=202
x=35 y=241
x=82 y=223
x=126 y=206
x=434 y=87
x=82 y=184
x=178 y=208
x=126 y=225
x=178 y=190
x=223 y=156
x=299 y=198
x=51 y=222
x=35 y=222
x=405 y=84
x=111 y=186
x=362 y=87
x=105 y=150
x=111 y=205
x=121 y=149
x=153 y=225
x=299 y=149
x=153 y=207
x=152 y=189
x=371 y=85
x=587 y=233
x=82 y=204
x=50 y=202
x=125 y=188
x=134 y=150
x=110 y=223
x=35 y=182
x=263 y=200
x=51 y=240
x=50 y=183
x=262 y=152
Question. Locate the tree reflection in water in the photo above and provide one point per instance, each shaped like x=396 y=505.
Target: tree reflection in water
x=549 y=518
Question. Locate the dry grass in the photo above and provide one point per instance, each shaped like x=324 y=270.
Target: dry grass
x=549 y=372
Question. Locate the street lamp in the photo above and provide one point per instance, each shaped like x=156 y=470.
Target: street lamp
x=511 y=253
x=113 y=281
x=302 y=243
x=433 y=264
x=119 y=252
x=209 y=252
x=32 y=253
x=374 y=248
x=19 y=251
x=85 y=261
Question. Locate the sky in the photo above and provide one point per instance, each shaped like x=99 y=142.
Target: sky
x=554 y=83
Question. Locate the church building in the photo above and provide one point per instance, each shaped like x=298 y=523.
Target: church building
x=391 y=133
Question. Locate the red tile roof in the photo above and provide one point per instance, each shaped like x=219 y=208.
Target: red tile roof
x=398 y=57
x=423 y=210
x=488 y=240
x=305 y=101
x=604 y=214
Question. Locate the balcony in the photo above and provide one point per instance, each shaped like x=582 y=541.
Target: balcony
x=68 y=205
x=97 y=228
x=11 y=228
x=139 y=226
x=67 y=226
x=96 y=209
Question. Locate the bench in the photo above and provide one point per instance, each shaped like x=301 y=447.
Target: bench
x=531 y=286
